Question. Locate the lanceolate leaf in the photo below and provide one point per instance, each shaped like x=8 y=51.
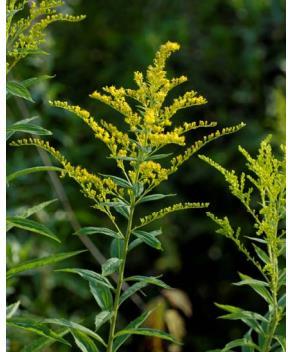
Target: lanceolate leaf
x=38 y=263
x=149 y=280
x=32 y=226
x=19 y=90
x=97 y=230
x=118 y=342
x=89 y=275
x=147 y=332
x=119 y=181
x=11 y=309
x=111 y=266
x=31 y=170
x=36 y=327
x=240 y=343
x=116 y=248
x=28 y=128
x=30 y=81
x=101 y=318
x=84 y=342
x=131 y=290
x=149 y=238
x=75 y=326
x=10 y=134
x=39 y=344
x=153 y=197
x=102 y=295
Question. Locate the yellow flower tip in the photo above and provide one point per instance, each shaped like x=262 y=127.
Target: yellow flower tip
x=171 y=46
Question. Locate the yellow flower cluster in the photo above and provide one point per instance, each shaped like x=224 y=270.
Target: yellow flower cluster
x=152 y=172
x=176 y=207
x=96 y=188
x=24 y=35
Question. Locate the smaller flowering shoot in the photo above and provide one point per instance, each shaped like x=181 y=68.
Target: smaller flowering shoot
x=137 y=152
x=264 y=200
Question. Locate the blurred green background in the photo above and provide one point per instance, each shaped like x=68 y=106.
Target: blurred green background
x=233 y=54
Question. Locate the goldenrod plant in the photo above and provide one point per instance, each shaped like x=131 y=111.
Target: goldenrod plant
x=138 y=151
x=262 y=194
x=25 y=25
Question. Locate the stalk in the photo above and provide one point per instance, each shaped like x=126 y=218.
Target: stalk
x=120 y=278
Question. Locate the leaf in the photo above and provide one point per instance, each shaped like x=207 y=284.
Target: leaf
x=240 y=343
x=257 y=285
x=153 y=197
x=36 y=327
x=152 y=280
x=32 y=226
x=133 y=244
x=30 y=81
x=88 y=275
x=30 y=211
x=261 y=254
x=11 y=309
x=147 y=332
x=102 y=295
x=149 y=238
x=123 y=210
x=159 y=156
x=28 y=128
x=75 y=326
x=118 y=342
x=10 y=134
x=117 y=248
x=19 y=90
x=131 y=290
x=84 y=342
x=39 y=344
x=31 y=170
x=101 y=318
x=38 y=263
x=119 y=181
x=86 y=231
x=110 y=266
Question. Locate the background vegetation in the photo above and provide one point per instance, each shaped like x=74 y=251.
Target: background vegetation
x=233 y=53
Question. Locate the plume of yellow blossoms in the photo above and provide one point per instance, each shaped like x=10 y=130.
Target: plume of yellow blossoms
x=24 y=35
x=150 y=128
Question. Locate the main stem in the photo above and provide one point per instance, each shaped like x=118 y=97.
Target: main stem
x=120 y=278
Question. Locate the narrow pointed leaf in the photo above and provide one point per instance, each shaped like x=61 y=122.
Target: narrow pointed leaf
x=28 y=128
x=240 y=343
x=19 y=90
x=87 y=231
x=101 y=318
x=38 y=263
x=117 y=248
x=32 y=226
x=102 y=295
x=11 y=309
x=148 y=332
x=149 y=280
x=75 y=326
x=153 y=197
x=131 y=290
x=84 y=342
x=119 y=181
x=31 y=170
x=111 y=266
x=36 y=327
x=149 y=238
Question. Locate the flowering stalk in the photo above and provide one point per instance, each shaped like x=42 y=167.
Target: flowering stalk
x=135 y=150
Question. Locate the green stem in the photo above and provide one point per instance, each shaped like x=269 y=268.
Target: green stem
x=120 y=279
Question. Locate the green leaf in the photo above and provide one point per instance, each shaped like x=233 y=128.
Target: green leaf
x=111 y=266
x=31 y=170
x=38 y=263
x=30 y=211
x=87 y=231
x=75 y=326
x=257 y=285
x=153 y=197
x=84 y=342
x=30 y=81
x=32 y=226
x=118 y=342
x=133 y=244
x=119 y=181
x=131 y=290
x=28 y=128
x=149 y=238
x=117 y=248
x=88 y=275
x=152 y=280
x=11 y=309
x=123 y=210
x=147 y=332
x=159 y=156
x=102 y=295
x=261 y=254
x=101 y=318
x=10 y=134
x=39 y=344
x=240 y=343
x=19 y=90
x=36 y=327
